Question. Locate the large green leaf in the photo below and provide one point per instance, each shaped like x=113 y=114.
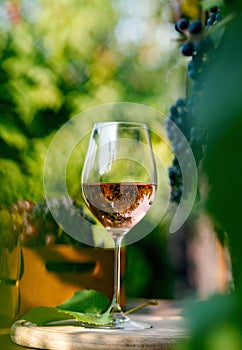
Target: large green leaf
x=87 y=307
x=90 y=318
x=203 y=315
x=42 y=315
x=86 y=301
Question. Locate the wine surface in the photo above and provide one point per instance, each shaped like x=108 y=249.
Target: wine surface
x=119 y=205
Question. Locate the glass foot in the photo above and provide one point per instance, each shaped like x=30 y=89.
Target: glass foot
x=127 y=324
x=122 y=321
x=130 y=325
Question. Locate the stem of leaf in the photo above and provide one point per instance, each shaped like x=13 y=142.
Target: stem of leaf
x=149 y=302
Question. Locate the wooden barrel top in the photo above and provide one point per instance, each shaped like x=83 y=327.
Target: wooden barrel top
x=167 y=330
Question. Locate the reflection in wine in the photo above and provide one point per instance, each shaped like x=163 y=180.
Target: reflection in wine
x=119 y=205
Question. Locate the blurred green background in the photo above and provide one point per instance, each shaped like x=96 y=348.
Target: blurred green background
x=61 y=57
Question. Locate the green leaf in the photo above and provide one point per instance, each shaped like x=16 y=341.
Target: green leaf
x=42 y=315
x=217 y=34
x=86 y=306
x=86 y=301
x=202 y=315
x=91 y=319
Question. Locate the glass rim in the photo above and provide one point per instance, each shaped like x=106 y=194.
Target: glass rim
x=124 y=123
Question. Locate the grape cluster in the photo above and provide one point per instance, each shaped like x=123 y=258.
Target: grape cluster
x=198 y=45
x=180 y=116
x=24 y=227
x=214 y=16
x=34 y=225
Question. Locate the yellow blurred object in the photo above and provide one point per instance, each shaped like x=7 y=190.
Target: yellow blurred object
x=52 y=275
x=10 y=263
x=190 y=8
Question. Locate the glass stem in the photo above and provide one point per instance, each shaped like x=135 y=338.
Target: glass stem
x=117 y=313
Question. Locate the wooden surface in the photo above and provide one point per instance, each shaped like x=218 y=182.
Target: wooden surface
x=168 y=328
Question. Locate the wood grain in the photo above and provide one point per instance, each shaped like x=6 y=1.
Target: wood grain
x=166 y=331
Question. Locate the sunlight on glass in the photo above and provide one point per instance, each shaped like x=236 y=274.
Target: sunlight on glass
x=107 y=155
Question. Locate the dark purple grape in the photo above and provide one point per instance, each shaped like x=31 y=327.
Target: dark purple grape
x=176 y=195
x=181 y=102
x=173 y=111
x=187 y=49
x=212 y=16
x=181 y=25
x=214 y=9
x=202 y=50
x=209 y=22
x=195 y=27
x=218 y=17
x=192 y=73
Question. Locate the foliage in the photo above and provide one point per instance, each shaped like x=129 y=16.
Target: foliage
x=87 y=307
x=222 y=159
x=58 y=59
x=61 y=57
x=216 y=323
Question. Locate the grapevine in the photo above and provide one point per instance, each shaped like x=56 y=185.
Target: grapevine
x=199 y=47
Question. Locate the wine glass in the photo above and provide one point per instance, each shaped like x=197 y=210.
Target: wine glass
x=118 y=185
